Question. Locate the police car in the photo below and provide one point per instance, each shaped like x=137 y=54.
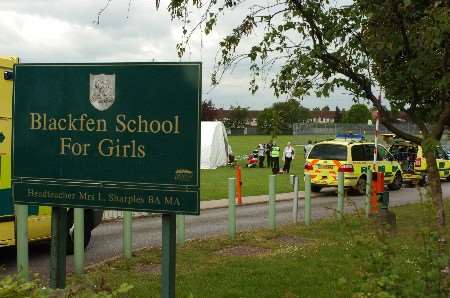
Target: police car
x=352 y=155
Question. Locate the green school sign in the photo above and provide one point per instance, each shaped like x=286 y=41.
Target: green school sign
x=117 y=136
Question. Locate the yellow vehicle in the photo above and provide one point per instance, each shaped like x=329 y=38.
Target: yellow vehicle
x=351 y=154
x=39 y=216
x=414 y=165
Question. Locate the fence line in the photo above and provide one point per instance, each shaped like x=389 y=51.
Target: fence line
x=333 y=128
x=310 y=128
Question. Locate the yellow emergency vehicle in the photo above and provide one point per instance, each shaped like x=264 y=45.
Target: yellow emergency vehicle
x=39 y=216
x=414 y=165
x=351 y=154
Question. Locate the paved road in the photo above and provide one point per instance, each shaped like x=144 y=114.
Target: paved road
x=107 y=238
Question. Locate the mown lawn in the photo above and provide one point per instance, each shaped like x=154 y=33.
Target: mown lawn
x=326 y=259
x=214 y=183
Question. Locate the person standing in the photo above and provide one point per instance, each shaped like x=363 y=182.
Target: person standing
x=308 y=147
x=288 y=156
x=268 y=154
x=275 y=156
x=261 y=153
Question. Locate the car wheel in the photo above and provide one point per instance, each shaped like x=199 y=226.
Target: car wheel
x=315 y=188
x=397 y=183
x=360 y=187
x=70 y=246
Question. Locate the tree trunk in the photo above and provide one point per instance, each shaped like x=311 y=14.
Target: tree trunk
x=435 y=187
x=438 y=204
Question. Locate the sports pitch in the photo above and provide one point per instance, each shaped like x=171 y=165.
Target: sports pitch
x=214 y=183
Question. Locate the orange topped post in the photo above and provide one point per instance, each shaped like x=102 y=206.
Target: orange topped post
x=377 y=188
x=239 y=185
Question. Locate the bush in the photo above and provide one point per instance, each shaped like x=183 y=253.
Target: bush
x=13 y=287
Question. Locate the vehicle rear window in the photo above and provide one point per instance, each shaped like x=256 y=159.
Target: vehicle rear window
x=362 y=152
x=328 y=152
x=358 y=153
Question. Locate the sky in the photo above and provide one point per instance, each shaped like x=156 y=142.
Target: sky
x=128 y=31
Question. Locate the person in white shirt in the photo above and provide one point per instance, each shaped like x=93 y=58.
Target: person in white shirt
x=288 y=156
x=261 y=153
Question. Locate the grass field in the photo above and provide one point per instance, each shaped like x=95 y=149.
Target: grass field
x=214 y=184
x=326 y=259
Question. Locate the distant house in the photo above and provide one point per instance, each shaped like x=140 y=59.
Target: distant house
x=323 y=116
x=223 y=115
x=252 y=119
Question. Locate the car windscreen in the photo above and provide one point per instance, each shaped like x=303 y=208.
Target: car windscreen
x=328 y=152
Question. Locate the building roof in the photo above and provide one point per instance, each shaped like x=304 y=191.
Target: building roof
x=323 y=114
x=221 y=114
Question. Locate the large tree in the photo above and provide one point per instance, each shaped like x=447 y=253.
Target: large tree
x=237 y=117
x=401 y=46
x=358 y=113
x=338 y=115
x=291 y=112
x=287 y=113
x=209 y=111
x=264 y=120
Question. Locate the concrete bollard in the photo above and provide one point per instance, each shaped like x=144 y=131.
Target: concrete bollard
x=22 y=241
x=78 y=255
x=232 y=207
x=181 y=227
x=307 y=199
x=295 y=201
x=340 y=204
x=127 y=233
x=272 y=200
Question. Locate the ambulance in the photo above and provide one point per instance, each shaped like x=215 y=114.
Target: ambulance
x=352 y=155
x=411 y=158
x=39 y=219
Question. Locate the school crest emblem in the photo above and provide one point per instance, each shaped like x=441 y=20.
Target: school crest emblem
x=102 y=92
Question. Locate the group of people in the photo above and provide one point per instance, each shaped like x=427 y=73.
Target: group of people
x=271 y=152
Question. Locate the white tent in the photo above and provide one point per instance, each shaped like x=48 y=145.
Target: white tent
x=215 y=147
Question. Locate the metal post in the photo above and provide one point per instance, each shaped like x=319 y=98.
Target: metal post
x=295 y=201
x=232 y=207
x=22 y=241
x=79 y=240
x=340 y=205
x=307 y=199
x=127 y=230
x=301 y=170
x=368 y=191
x=168 y=256
x=272 y=199
x=58 y=248
x=181 y=233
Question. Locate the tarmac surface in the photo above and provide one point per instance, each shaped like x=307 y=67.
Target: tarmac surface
x=106 y=240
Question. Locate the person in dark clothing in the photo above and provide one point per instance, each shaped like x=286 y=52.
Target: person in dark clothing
x=275 y=156
x=268 y=151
